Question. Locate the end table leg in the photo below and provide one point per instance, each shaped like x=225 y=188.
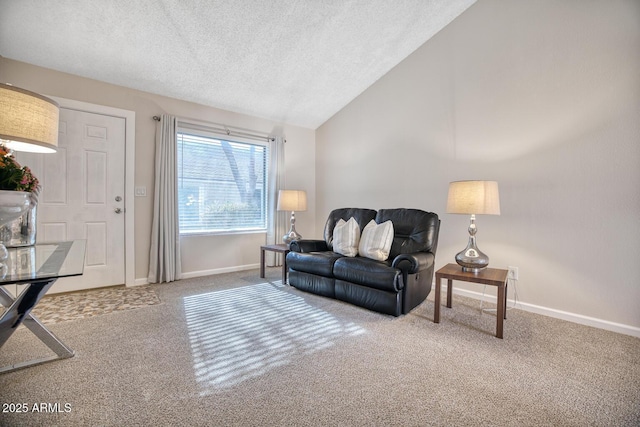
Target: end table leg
x=436 y=309
x=506 y=284
x=449 y=291
x=501 y=311
x=285 y=269
x=262 y=262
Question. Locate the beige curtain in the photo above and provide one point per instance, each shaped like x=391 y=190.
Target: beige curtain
x=164 y=256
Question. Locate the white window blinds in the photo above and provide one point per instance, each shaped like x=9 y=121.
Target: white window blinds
x=222 y=184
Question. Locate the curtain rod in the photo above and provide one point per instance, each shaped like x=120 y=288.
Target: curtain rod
x=224 y=130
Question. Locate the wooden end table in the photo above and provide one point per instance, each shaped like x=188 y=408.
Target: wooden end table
x=488 y=276
x=279 y=248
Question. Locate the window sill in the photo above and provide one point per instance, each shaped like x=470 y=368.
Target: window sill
x=220 y=233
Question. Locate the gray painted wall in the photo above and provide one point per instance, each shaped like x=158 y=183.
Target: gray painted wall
x=200 y=254
x=540 y=95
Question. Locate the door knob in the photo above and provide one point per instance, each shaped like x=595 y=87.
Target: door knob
x=117 y=210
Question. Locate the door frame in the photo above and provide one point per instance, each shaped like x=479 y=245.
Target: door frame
x=129 y=174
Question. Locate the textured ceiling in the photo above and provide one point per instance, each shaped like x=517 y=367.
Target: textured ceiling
x=292 y=61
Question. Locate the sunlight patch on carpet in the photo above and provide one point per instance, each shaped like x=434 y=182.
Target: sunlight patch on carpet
x=242 y=333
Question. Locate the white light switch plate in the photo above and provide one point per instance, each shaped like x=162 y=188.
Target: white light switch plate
x=141 y=191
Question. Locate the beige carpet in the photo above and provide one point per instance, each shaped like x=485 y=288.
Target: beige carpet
x=236 y=350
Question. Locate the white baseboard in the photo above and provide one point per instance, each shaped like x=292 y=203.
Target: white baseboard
x=191 y=274
x=201 y=273
x=551 y=312
x=141 y=282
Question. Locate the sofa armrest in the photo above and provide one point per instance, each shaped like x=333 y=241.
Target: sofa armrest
x=308 y=246
x=414 y=262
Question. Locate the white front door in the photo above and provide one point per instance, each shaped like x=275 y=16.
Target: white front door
x=82 y=196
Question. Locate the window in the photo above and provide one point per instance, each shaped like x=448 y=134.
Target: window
x=222 y=184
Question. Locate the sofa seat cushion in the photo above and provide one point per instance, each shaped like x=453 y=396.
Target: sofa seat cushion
x=368 y=272
x=320 y=263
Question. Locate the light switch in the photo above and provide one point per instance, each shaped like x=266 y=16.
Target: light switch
x=141 y=191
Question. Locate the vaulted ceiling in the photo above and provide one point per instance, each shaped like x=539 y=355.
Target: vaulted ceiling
x=291 y=61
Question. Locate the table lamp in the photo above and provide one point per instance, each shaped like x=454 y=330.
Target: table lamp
x=292 y=200
x=473 y=197
x=28 y=121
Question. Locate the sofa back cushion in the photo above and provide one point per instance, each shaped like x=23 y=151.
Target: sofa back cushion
x=414 y=230
x=362 y=217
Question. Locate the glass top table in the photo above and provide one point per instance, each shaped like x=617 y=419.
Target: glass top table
x=36 y=268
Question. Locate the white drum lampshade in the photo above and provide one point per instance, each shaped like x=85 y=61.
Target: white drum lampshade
x=28 y=121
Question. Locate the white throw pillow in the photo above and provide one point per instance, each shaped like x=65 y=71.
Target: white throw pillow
x=376 y=240
x=346 y=237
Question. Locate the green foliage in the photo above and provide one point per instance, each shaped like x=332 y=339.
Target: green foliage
x=230 y=214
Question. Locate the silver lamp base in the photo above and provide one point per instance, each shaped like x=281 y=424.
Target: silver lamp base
x=471 y=258
x=292 y=234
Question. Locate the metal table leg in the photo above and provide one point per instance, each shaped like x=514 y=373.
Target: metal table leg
x=18 y=312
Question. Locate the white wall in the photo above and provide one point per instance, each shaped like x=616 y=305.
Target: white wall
x=201 y=254
x=542 y=96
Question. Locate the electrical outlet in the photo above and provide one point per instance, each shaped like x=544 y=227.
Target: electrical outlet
x=513 y=273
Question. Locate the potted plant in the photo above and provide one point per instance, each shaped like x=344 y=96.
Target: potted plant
x=18 y=191
x=14 y=177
